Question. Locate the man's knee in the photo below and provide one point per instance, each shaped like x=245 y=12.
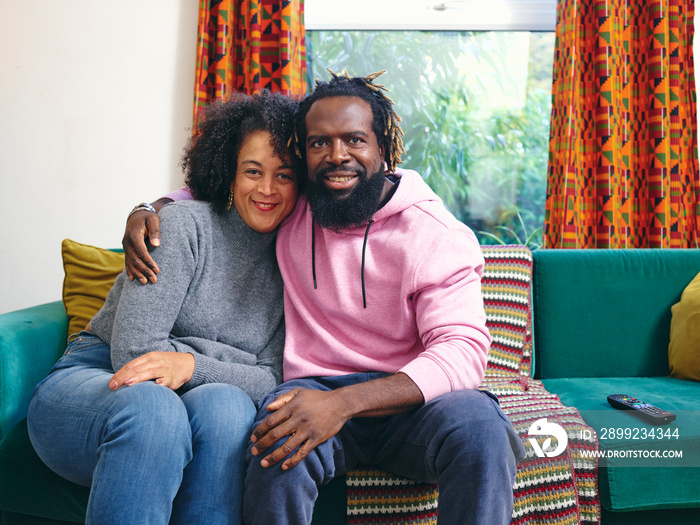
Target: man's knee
x=472 y=423
x=473 y=409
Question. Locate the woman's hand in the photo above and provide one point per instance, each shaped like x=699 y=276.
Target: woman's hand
x=171 y=369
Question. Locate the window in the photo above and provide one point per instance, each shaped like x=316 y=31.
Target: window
x=475 y=107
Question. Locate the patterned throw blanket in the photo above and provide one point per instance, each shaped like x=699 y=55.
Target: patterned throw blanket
x=547 y=490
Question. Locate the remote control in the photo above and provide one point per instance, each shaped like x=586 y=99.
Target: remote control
x=649 y=413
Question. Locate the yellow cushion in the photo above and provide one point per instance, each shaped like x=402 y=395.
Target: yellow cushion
x=90 y=273
x=684 y=348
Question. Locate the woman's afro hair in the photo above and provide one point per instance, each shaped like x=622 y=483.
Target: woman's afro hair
x=385 y=122
x=211 y=157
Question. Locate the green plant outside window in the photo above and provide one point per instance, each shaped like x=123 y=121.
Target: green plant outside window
x=476 y=110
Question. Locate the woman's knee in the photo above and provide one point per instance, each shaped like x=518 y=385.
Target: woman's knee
x=145 y=419
x=220 y=408
x=152 y=411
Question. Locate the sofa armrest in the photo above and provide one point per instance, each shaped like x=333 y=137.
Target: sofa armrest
x=31 y=341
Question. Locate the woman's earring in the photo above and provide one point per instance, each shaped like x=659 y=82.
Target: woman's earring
x=230 y=200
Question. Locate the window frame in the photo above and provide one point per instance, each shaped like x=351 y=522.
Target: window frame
x=431 y=15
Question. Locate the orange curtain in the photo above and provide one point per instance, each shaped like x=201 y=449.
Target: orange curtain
x=623 y=167
x=249 y=45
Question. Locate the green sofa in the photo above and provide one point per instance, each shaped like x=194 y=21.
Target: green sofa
x=600 y=322
x=601 y=326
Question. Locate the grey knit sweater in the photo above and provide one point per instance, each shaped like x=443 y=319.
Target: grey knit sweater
x=218 y=297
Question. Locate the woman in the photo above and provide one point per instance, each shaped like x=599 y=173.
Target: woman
x=162 y=439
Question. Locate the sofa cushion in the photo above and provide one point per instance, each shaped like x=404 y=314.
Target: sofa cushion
x=89 y=275
x=684 y=345
x=630 y=479
x=27 y=486
x=602 y=313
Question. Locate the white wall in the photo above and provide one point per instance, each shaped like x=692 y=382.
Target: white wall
x=95 y=105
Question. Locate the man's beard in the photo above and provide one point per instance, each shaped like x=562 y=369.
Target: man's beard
x=339 y=213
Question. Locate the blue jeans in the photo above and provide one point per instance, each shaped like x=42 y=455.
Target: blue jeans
x=149 y=455
x=461 y=441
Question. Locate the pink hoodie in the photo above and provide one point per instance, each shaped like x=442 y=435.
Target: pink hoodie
x=421 y=282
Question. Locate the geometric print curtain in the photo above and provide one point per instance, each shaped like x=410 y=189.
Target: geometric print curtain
x=249 y=45
x=623 y=166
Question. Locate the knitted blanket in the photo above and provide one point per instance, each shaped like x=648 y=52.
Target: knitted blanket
x=548 y=490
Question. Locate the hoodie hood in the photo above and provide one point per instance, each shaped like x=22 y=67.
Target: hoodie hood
x=412 y=190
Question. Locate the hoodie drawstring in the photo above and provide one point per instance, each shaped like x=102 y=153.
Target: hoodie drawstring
x=313 y=251
x=364 y=249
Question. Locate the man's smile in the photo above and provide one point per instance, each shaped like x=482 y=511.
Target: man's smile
x=340 y=180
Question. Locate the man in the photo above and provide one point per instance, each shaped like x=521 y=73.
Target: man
x=386 y=337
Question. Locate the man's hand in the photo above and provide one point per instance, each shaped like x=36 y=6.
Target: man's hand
x=139 y=263
x=311 y=417
x=171 y=369
x=308 y=417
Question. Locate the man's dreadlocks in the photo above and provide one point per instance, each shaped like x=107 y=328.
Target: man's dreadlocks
x=385 y=122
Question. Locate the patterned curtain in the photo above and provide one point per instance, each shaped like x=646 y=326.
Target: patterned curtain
x=249 y=45
x=623 y=168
